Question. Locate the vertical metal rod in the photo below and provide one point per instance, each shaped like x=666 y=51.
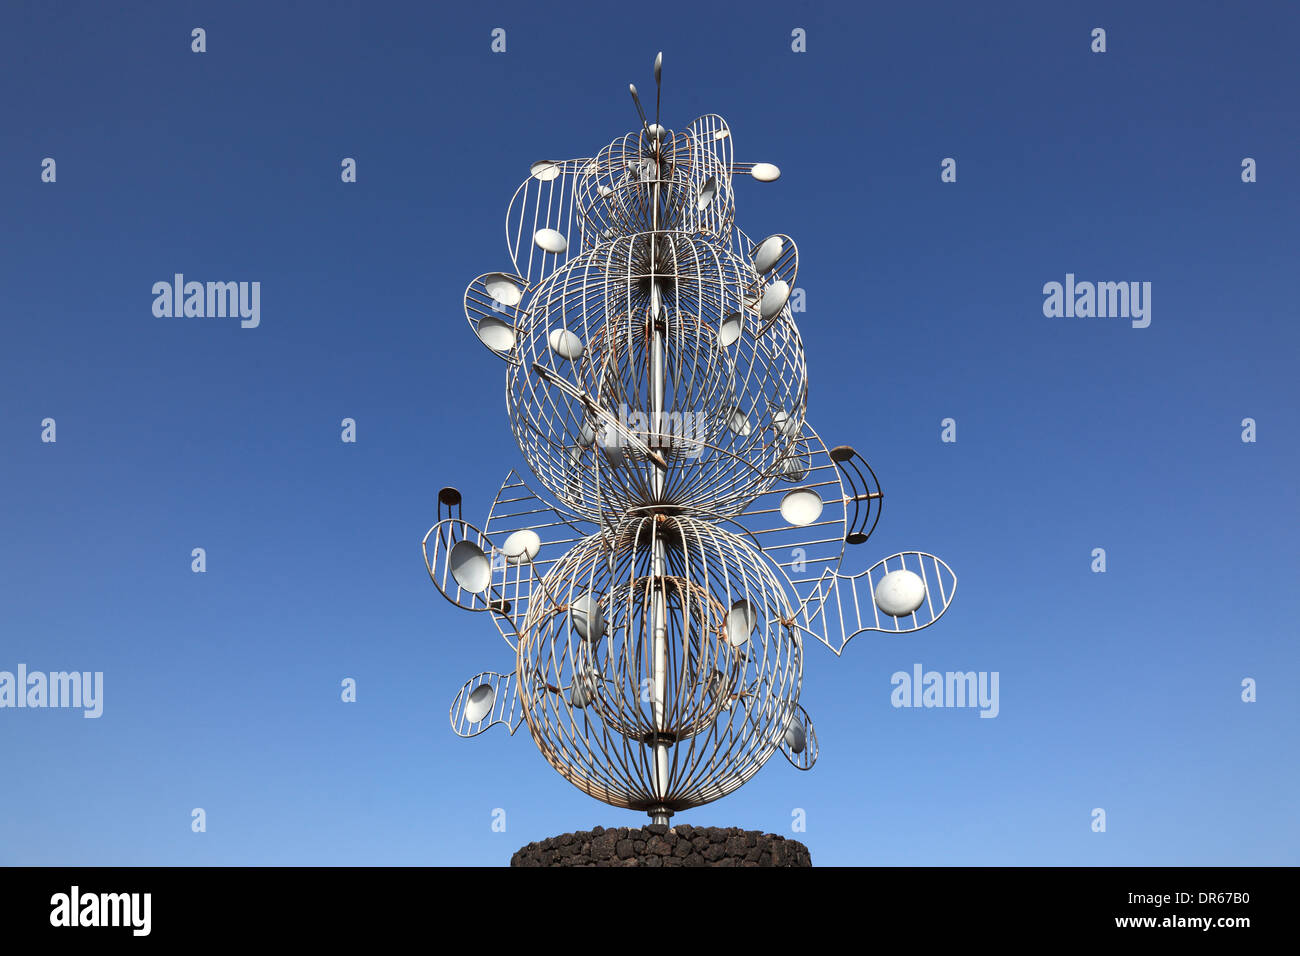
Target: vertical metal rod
x=659 y=619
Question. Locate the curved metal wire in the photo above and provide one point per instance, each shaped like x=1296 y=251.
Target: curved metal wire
x=733 y=401
x=657 y=387
x=586 y=663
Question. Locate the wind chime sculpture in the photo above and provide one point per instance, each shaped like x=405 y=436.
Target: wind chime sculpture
x=656 y=606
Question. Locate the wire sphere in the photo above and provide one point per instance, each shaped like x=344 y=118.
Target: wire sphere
x=729 y=670
x=616 y=196
x=733 y=395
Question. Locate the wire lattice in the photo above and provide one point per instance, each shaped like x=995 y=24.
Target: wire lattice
x=657 y=387
x=586 y=663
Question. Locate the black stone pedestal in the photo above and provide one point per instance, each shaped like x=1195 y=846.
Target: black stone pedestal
x=659 y=845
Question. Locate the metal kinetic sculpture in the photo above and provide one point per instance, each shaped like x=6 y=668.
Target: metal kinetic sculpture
x=656 y=605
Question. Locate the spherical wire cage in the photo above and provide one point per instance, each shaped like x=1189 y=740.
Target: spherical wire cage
x=732 y=398
x=727 y=673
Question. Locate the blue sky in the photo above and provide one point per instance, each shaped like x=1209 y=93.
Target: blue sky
x=924 y=301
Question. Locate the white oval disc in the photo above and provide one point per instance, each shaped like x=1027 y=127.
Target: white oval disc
x=480 y=702
x=611 y=444
x=785 y=424
x=565 y=344
x=795 y=738
x=774 y=298
x=765 y=172
x=470 y=567
x=741 y=621
x=900 y=593
x=580 y=695
x=730 y=329
x=522 y=546
x=551 y=240
x=793 y=468
x=708 y=191
x=738 y=422
x=503 y=288
x=587 y=616
x=545 y=170
x=801 y=507
x=767 y=253
x=495 y=334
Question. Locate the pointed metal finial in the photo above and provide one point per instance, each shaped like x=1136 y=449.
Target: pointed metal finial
x=659 y=69
x=640 y=112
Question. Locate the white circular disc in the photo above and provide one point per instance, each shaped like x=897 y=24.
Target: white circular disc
x=738 y=422
x=722 y=134
x=795 y=737
x=708 y=192
x=729 y=331
x=741 y=621
x=656 y=131
x=580 y=695
x=899 y=593
x=470 y=567
x=603 y=190
x=765 y=172
x=611 y=443
x=785 y=424
x=545 y=170
x=587 y=616
x=793 y=468
x=503 y=288
x=565 y=344
x=774 y=298
x=522 y=546
x=480 y=702
x=495 y=334
x=801 y=507
x=550 y=240
x=767 y=253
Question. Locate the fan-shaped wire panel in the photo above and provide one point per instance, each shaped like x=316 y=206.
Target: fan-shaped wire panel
x=485 y=700
x=844 y=606
x=492 y=307
x=517 y=511
x=468 y=570
x=804 y=520
x=711 y=146
x=544 y=201
x=799 y=739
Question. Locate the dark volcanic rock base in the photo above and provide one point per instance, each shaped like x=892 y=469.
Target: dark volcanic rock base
x=658 y=845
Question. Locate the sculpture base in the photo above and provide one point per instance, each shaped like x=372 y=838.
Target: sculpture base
x=659 y=845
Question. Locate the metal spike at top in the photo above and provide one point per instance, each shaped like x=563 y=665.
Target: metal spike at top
x=689 y=526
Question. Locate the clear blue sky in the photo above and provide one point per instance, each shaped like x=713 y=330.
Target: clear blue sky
x=924 y=301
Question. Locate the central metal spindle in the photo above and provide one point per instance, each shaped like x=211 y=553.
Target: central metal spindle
x=656 y=322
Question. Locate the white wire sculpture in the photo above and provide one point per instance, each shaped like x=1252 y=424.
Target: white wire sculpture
x=656 y=384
